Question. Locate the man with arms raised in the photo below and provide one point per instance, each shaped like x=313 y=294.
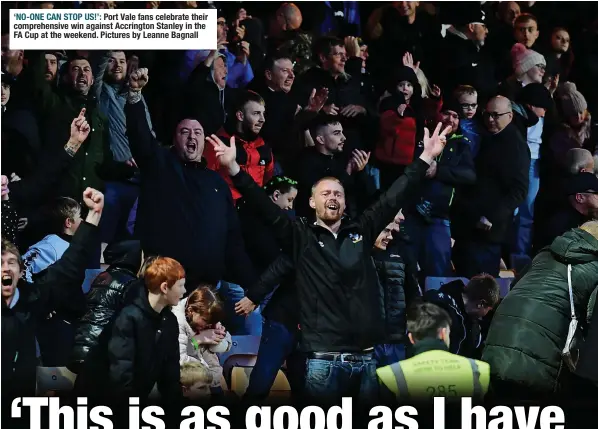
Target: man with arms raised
x=185 y=210
x=336 y=281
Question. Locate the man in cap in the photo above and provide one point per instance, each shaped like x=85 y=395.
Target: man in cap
x=581 y=191
x=427 y=221
x=464 y=59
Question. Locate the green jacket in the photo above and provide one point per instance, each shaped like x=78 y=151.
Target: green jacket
x=529 y=329
x=58 y=108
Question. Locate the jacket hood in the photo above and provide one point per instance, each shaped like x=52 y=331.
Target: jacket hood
x=124 y=254
x=142 y=301
x=575 y=247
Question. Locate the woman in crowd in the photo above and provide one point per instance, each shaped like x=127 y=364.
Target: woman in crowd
x=201 y=335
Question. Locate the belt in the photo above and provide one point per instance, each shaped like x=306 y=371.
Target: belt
x=343 y=357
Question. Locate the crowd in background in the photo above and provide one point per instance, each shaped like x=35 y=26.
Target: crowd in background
x=329 y=105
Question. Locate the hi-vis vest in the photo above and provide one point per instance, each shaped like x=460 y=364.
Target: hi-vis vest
x=436 y=373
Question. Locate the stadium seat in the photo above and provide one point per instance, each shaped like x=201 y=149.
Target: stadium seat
x=51 y=380
x=240 y=381
x=242 y=345
x=433 y=283
x=240 y=360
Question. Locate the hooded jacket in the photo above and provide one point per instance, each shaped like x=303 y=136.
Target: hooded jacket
x=530 y=326
x=110 y=292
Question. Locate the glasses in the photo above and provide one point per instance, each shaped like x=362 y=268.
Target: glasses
x=469 y=106
x=495 y=115
x=541 y=66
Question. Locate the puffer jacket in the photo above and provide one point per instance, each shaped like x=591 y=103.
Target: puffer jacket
x=110 y=292
x=205 y=355
x=398 y=288
x=530 y=326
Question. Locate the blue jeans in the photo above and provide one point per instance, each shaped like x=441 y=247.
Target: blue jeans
x=476 y=257
x=523 y=240
x=120 y=197
x=387 y=354
x=278 y=343
x=431 y=244
x=329 y=381
x=230 y=294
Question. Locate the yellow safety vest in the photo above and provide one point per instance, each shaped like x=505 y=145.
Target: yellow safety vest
x=437 y=373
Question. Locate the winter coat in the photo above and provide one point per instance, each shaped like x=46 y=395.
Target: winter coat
x=398 y=289
x=206 y=355
x=253 y=156
x=185 y=211
x=502 y=170
x=110 y=292
x=530 y=326
x=328 y=265
x=465 y=340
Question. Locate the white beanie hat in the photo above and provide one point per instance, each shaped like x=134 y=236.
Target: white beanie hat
x=525 y=59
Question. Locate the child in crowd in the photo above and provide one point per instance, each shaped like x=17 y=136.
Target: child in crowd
x=467 y=97
x=201 y=336
x=196 y=380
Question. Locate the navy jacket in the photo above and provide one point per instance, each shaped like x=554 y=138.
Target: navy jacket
x=185 y=211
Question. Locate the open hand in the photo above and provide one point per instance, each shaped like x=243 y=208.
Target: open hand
x=209 y=337
x=79 y=128
x=352 y=46
x=408 y=61
x=434 y=144
x=226 y=155
x=436 y=91
x=244 y=307
x=138 y=79
x=331 y=109
x=352 y=110
x=317 y=99
x=359 y=160
x=94 y=200
x=14 y=178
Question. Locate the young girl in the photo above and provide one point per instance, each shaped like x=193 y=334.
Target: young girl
x=402 y=120
x=201 y=335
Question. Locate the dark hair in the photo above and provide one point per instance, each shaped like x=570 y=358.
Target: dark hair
x=424 y=320
x=324 y=45
x=483 y=289
x=248 y=96
x=320 y=121
x=524 y=17
x=78 y=58
x=9 y=247
x=273 y=57
x=61 y=209
x=281 y=184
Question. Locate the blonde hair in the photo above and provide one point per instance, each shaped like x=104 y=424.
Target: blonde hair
x=591 y=228
x=195 y=372
x=423 y=83
x=464 y=90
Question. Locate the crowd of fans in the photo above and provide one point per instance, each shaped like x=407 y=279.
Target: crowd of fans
x=300 y=182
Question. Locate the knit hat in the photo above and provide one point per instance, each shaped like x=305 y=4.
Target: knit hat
x=524 y=59
x=451 y=104
x=572 y=101
x=402 y=74
x=537 y=95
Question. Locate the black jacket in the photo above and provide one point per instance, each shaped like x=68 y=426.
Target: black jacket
x=463 y=64
x=335 y=277
x=455 y=168
x=466 y=337
x=142 y=350
x=60 y=284
x=109 y=293
x=502 y=169
x=530 y=326
x=185 y=211
x=398 y=288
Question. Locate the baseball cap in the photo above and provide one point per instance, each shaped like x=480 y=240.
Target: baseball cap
x=582 y=183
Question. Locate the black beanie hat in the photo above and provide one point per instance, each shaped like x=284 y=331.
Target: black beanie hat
x=536 y=95
x=402 y=74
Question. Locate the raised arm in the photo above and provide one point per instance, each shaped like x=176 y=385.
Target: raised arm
x=99 y=63
x=31 y=190
x=62 y=282
x=143 y=144
x=254 y=195
x=381 y=213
